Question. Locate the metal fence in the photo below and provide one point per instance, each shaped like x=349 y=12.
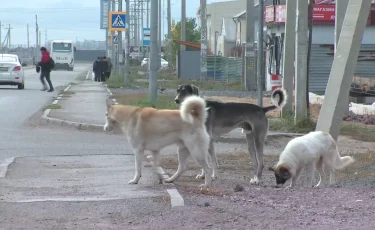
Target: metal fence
x=224 y=68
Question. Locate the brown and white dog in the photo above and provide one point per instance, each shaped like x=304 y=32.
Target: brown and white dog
x=315 y=150
x=152 y=129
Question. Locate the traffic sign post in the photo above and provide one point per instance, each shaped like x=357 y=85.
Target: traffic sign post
x=146 y=36
x=117 y=21
x=115 y=40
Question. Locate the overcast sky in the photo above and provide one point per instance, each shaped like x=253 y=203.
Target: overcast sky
x=66 y=19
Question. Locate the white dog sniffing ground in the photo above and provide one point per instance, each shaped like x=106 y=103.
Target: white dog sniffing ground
x=313 y=151
x=152 y=129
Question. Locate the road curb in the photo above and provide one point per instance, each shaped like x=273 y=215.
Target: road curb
x=46 y=120
x=5 y=165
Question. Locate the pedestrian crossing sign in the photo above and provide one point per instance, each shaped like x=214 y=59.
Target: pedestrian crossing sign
x=117 y=21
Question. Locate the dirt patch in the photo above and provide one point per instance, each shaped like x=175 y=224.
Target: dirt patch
x=234 y=204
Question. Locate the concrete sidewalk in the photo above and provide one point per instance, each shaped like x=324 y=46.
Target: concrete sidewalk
x=82 y=105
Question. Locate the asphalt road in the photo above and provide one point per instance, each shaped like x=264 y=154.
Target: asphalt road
x=17 y=105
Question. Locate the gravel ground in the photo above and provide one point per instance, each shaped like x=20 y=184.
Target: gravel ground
x=233 y=204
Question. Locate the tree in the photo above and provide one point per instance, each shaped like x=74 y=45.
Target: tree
x=193 y=34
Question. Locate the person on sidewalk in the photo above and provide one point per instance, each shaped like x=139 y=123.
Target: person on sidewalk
x=96 y=68
x=109 y=69
x=45 y=65
x=104 y=69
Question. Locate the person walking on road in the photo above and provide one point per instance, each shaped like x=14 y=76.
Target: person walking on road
x=96 y=68
x=104 y=68
x=45 y=72
x=109 y=69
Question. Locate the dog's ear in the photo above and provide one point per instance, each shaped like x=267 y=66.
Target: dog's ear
x=272 y=168
x=195 y=89
x=284 y=172
x=179 y=88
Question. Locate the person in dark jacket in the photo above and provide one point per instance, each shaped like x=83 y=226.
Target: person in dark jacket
x=96 y=68
x=109 y=69
x=45 y=71
x=104 y=68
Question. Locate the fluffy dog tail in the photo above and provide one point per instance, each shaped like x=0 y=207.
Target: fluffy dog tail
x=283 y=97
x=193 y=110
x=342 y=162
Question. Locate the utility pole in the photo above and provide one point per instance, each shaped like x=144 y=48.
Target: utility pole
x=250 y=77
x=135 y=21
x=9 y=41
x=37 y=38
x=169 y=34
x=148 y=13
x=107 y=33
x=159 y=34
x=1 y=42
x=142 y=22
x=340 y=79
x=119 y=46
x=154 y=53
x=289 y=55
x=113 y=46
x=28 y=38
x=260 y=66
x=183 y=23
x=341 y=7
x=301 y=60
x=127 y=46
x=203 y=41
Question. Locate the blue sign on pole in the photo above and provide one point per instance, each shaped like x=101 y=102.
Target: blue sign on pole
x=117 y=21
x=115 y=39
x=146 y=36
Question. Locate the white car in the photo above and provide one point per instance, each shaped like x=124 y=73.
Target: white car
x=163 y=63
x=11 y=71
x=144 y=61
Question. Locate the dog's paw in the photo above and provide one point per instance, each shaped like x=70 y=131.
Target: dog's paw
x=254 y=181
x=200 y=176
x=318 y=186
x=168 y=180
x=133 y=182
x=288 y=188
x=204 y=187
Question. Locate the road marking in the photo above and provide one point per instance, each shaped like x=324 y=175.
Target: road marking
x=87 y=75
x=109 y=91
x=176 y=198
x=4 y=166
x=67 y=88
x=55 y=102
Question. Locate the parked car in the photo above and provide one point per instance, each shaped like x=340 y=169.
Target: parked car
x=11 y=71
x=163 y=63
x=144 y=62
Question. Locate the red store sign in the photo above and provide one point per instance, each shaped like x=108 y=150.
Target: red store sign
x=325 y=13
x=321 y=13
